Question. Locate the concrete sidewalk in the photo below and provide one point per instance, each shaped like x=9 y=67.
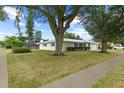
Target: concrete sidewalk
x=3 y=71
x=86 y=77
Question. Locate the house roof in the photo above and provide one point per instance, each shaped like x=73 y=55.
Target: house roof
x=71 y=40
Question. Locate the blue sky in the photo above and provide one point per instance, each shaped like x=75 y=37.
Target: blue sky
x=7 y=27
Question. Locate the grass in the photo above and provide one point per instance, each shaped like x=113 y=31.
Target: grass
x=2 y=49
x=114 y=79
x=41 y=67
x=116 y=51
x=5 y=50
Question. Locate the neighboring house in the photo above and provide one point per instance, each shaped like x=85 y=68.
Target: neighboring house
x=50 y=45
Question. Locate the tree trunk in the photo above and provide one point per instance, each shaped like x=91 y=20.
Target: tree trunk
x=59 y=43
x=104 y=47
x=19 y=32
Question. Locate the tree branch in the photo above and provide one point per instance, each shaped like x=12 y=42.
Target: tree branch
x=70 y=17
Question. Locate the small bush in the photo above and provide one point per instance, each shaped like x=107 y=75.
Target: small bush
x=109 y=47
x=21 y=50
x=8 y=47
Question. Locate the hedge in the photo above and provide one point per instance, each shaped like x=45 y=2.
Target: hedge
x=21 y=50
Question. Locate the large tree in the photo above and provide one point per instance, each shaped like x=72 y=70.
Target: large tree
x=59 y=19
x=104 y=23
x=30 y=25
x=3 y=14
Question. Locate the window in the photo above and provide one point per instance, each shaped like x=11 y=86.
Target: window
x=52 y=44
x=80 y=45
x=75 y=45
x=44 y=44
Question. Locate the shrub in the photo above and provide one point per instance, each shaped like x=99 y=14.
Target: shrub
x=8 y=46
x=109 y=47
x=21 y=50
x=13 y=41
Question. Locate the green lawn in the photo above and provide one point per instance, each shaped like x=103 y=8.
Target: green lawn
x=1 y=49
x=114 y=79
x=41 y=67
x=116 y=51
x=5 y=50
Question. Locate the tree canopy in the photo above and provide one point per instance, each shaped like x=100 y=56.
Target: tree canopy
x=12 y=41
x=71 y=36
x=30 y=24
x=104 y=23
x=3 y=14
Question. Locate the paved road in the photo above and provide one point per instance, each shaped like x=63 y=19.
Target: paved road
x=87 y=77
x=3 y=71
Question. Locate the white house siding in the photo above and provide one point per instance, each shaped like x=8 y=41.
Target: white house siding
x=93 y=46
x=52 y=48
x=48 y=47
x=67 y=44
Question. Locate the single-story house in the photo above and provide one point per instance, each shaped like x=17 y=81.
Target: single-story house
x=68 y=43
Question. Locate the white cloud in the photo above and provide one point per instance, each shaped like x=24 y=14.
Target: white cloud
x=3 y=34
x=11 y=12
x=37 y=24
x=82 y=33
x=22 y=24
x=42 y=30
x=75 y=21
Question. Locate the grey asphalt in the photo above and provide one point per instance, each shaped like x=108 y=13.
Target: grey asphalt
x=86 y=77
x=3 y=71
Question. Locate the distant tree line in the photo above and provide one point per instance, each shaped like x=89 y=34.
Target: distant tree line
x=71 y=36
x=14 y=41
